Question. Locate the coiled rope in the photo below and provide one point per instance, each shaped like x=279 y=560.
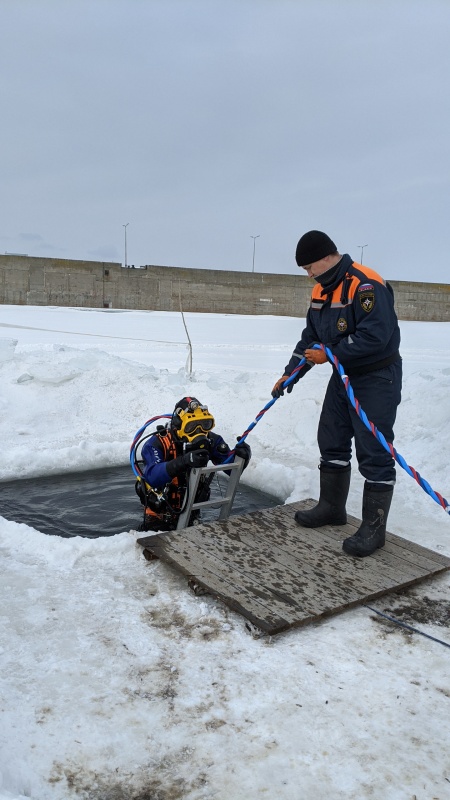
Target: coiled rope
x=413 y=473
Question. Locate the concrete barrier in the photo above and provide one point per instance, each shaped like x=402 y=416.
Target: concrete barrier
x=27 y=280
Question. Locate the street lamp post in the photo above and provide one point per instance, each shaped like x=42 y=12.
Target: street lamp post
x=254 y=246
x=362 y=246
x=125 y=230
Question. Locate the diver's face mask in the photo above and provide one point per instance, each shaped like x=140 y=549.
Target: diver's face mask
x=193 y=422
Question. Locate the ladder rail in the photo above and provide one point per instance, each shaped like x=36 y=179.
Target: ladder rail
x=225 y=503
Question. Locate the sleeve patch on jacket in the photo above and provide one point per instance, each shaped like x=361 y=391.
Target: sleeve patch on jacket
x=365 y=287
x=366 y=299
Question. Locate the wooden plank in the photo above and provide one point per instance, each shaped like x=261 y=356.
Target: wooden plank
x=304 y=599
x=280 y=575
x=398 y=565
x=402 y=564
x=237 y=596
x=246 y=565
x=409 y=548
x=333 y=578
x=397 y=546
x=197 y=562
x=324 y=561
x=264 y=615
x=287 y=579
x=325 y=556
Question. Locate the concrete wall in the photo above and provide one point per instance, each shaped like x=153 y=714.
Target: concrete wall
x=28 y=280
x=52 y=281
x=422 y=301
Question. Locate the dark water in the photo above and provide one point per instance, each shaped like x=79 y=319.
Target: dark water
x=97 y=503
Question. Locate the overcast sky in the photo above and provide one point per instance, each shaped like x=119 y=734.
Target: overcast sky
x=203 y=123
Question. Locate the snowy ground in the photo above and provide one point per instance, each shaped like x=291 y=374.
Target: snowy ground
x=116 y=682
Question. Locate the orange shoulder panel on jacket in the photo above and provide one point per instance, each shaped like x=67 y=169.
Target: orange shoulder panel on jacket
x=370 y=274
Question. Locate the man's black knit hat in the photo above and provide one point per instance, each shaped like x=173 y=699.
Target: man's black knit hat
x=313 y=246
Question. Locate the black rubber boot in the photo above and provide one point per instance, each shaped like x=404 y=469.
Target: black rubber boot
x=371 y=534
x=330 y=510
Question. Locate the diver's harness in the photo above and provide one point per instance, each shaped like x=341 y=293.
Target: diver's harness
x=169 y=503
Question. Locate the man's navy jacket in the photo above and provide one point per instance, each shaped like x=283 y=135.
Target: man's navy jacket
x=354 y=316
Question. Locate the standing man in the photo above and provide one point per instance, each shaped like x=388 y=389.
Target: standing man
x=352 y=312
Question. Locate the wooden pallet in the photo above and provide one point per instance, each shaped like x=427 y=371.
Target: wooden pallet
x=279 y=575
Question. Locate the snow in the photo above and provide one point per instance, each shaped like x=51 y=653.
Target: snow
x=116 y=681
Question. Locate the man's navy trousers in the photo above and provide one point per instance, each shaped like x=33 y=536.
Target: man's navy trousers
x=378 y=393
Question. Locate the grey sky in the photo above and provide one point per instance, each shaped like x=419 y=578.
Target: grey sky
x=203 y=123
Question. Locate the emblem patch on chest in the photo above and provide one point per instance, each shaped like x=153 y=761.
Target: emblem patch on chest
x=341 y=324
x=366 y=296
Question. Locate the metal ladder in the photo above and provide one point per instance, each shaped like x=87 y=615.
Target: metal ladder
x=225 y=503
